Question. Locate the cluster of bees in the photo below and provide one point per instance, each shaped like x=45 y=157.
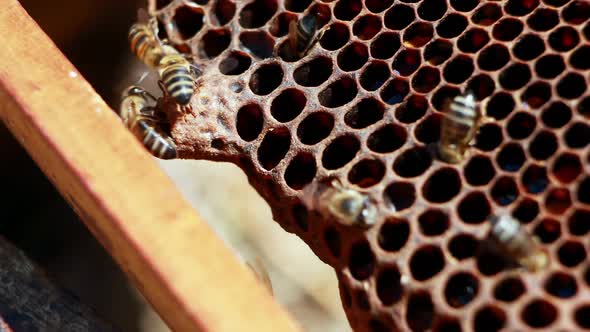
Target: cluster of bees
x=333 y=200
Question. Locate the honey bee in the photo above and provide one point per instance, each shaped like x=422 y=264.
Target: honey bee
x=346 y=205
x=145 y=123
x=303 y=34
x=459 y=127
x=517 y=244
x=176 y=72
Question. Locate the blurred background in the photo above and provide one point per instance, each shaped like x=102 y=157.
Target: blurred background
x=93 y=35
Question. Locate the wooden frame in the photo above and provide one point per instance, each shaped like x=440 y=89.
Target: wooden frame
x=130 y=205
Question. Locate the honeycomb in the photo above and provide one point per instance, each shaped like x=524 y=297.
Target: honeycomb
x=365 y=106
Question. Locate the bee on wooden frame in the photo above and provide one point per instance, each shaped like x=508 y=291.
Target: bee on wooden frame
x=459 y=127
x=146 y=123
x=517 y=244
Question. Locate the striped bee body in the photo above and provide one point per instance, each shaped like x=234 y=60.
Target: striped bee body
x=145 y=45
x=177 y=78
x=517 y=243
x=458 y=128
x=145 y=123
x=302 y=34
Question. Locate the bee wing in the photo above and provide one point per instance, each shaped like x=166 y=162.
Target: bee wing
x=257 y=267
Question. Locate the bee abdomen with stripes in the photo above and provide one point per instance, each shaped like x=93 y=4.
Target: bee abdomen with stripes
x=177 y=78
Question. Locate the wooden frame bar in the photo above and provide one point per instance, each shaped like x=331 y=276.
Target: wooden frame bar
x=191 y=278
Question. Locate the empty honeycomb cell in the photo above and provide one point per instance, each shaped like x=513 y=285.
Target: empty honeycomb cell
x=447 y=178
x=353 y=57
x=346 y=10
x=509 y=289
x=464 y=5
x=490 y=263
x=426 y=262
x=487 y=14
x=442 y=97
x=280 y=25
x=461 y=289
x=451 y=25
x=407 y=62
x=288 y=105
x=340 y=152
x=481 y=85
x=336 y=36
x=258 y=43
x=412 y=110
x=297 y=6
x=549 y=66
x=400 y=196
x=389 y=287
x=489 y=137
x=446 y=324
x=188 y=21
x=580 y=58
x=395 y=91
x=556 y=115
x=521 y=125
x=536 y=94
x=433 y=222
x=428 y=130
x=375 y=75
x=548 y=230
x=387 y=139
x=361 y=260
x=474 y=208
x=511 y=157
x=561 y=285
x=489 y=319
x=500 y=105
x=463 y=246
x=458 y=69
x=504 y=191
x=333 y=241
x=473 y=40
x=479 y=171
x=377 y=6
x=556 y=3
x=526 y=211
x=224 y=11
x=493 y=57
x=543 y=145
x=418 y=34
x=365 y=113
x=393 y=234
x=507 y=29
x=214 y=42
x=249 y=122
x=571 y=253
x=235 y=63
x=584 y=191
x=412 y=162
x=385 y=45
x=432 y=10
x=578 y=222
x=399 y=17
x=558 y=200
x=257 y=13
x=567 y=167
x=367 y=173
x=438 y=51
x=266 y=79
x=314 y=72
x=315 y=128
x=301 y=171
x=515 y=76
x=339 y=93
x=528 y=47
x=543 y=19
x=584 y=108
x=571 y=86
x=520 y=7
x=576 y=12
x=582 y=316
x=539 y=313
x=300 y=216
x=419 y=311
x=274 y=148
x=564 y=39
x=426 y=79
x=366 y=27
x=577 y=136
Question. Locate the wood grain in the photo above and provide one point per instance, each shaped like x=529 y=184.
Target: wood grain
x=192 y=279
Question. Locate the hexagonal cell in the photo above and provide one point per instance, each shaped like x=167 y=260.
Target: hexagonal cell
x=500 y=105
x=346 y=10
x=558 y=200
x=235 y=63
x=543 y=146
x=451 y=25
x=447 y=178
x=419 y=311
x=412 y=110
x=280 y=25
x=257 y=13
x=577 y=136
x=393 y=234
x=428 y=130
x=474 y=208
x=399 y=17
x=426 y=79
x=433 y=222
x=528 y=47
x=583 y=194
x=461 y=289
x=521 y=125
x=489 y=318
x=301 y=171
x=407 y=62
x=487 y=14
x=438 y=51
x=580 y=58
x=550 y=66
x=490 y=263
x=395 y=91
x=493 y=57
x=314 y=72
x=258 y=43
x=463 y=246
x=507 y=29
x=521 y=7
x=418 y=34
x=564 y=39
x=473 y=40
x=571 y=253
x=336 y=36
x=526 y=211
x=489 y=137
x=389 y=288
x=214 y=42
x=224 y=11
x=543 y=19
x=339 y=93
x=442 y=97
x=509 y=289
x=367 y=173
x=400 y=195
x=367 y=26
x=464 y=5
x=387 y=139
x=365 y=113
x=361 y=260
x=297 y=5
x=426 y=262
x=374 y=75
x=511 y=157
x=515 y=76
x=582 y=316
x=288 y=105
x=412 y=162
x=385 y=45
x=578 y=222
x=458 y=69
x=340 y=152
x=539 y=313
x=556 y=115
x=188 y=21
x=536 y=94
x=266 y=79
x=315 y=128
x=249 y=122
x=561 y=285
x=481 y=85
x=353 y=57
x=504 y=191
x=548 y=230
x=274 y=148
